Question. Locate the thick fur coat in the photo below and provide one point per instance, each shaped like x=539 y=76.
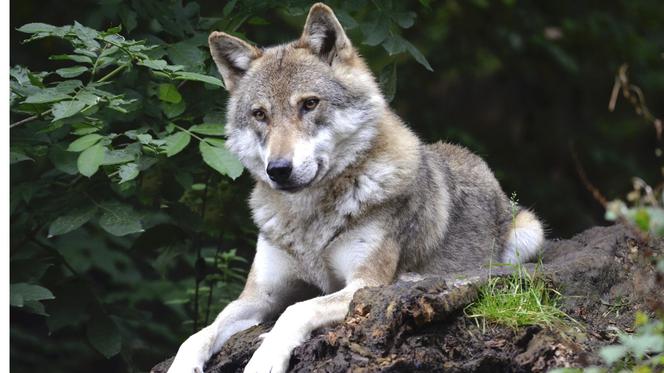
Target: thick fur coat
x=346 y=195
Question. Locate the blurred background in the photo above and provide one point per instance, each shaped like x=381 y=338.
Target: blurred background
x=524 y=84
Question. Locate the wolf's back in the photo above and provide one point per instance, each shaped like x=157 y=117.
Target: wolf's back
x=481 y=221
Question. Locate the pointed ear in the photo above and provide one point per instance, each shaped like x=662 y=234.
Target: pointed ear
x=324 y=35
x=232 y=56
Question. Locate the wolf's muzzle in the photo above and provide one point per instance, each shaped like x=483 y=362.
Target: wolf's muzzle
x=279 y=170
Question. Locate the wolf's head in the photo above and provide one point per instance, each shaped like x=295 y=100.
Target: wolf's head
x=302 y=112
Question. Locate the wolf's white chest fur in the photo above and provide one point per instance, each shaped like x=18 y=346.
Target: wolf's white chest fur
x=314 y=230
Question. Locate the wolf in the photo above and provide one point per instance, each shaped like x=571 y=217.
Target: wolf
x=346 y=195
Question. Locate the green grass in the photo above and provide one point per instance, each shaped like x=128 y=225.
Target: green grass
x=517 y=300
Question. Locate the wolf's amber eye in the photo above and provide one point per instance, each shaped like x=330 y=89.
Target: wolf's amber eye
x=310 y=104
x=259 y=114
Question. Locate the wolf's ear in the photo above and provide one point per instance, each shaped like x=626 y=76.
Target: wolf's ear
x=324 y=35
x=232 y=56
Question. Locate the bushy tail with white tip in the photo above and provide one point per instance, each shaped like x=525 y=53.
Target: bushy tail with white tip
x=525 y=238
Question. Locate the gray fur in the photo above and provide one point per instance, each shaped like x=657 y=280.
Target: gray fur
x=366 y=201
x=479 y=214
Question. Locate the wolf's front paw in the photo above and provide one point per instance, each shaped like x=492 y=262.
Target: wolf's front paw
x=188 y=359
x=271 y=357
x=182 y=367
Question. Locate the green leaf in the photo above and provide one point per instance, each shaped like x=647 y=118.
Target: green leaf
x=214 y=117
x=640 y=344
x=611 y=354
x=73 y=220
x=173 y=110
x=21 y=292
x=71 y=57
x=67 y=109
x=53 y=94
x=144 y=138
x=158 y=65
x=67 y=86
x=184 y=75
x=404 y=19
x=175 y=143
x=34 y=306
x=81 y=129
x=45 y=96
x=258 y=21
x=15 y=299
x=187 y=54
x=419 y=57
x=219 y=143
x=228 y=8
x=119 y=219
x=85 y=52
x=63 y=160
x=32 y=28
x=104 y=335
x=174 y=68
x=656 y=220
x=208 y=129
x=84 y=142
x=90 y=159
x=169 y=93
x=128 y=18
x=220 y=159
x=21 y=75
x=375 y=31
x=118 y=156
x=87 y=35
x=128 y=172
x=642 y=219
x=346 y=19
x=70 y=72
x=394 y=45
x=16 y=156
x=112 y=30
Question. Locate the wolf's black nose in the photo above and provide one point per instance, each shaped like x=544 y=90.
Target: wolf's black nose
x=279 y=170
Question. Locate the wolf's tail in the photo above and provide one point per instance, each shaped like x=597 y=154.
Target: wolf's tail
x=525 y=239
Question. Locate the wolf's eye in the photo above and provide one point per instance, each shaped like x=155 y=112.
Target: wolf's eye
x=259 y=114
x=310 y=104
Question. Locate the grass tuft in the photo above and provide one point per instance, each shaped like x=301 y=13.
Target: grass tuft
x=517 y=300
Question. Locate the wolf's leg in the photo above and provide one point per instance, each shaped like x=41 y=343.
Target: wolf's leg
x=271 y=286
x=298 y=321
x=294 y=326
x=525 y=238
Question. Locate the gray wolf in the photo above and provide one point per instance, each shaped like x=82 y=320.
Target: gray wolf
x=346 y=196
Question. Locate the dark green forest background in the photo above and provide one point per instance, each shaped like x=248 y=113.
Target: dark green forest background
x=120 y=252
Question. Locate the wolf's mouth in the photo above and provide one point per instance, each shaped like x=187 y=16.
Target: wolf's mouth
x=294 y=188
